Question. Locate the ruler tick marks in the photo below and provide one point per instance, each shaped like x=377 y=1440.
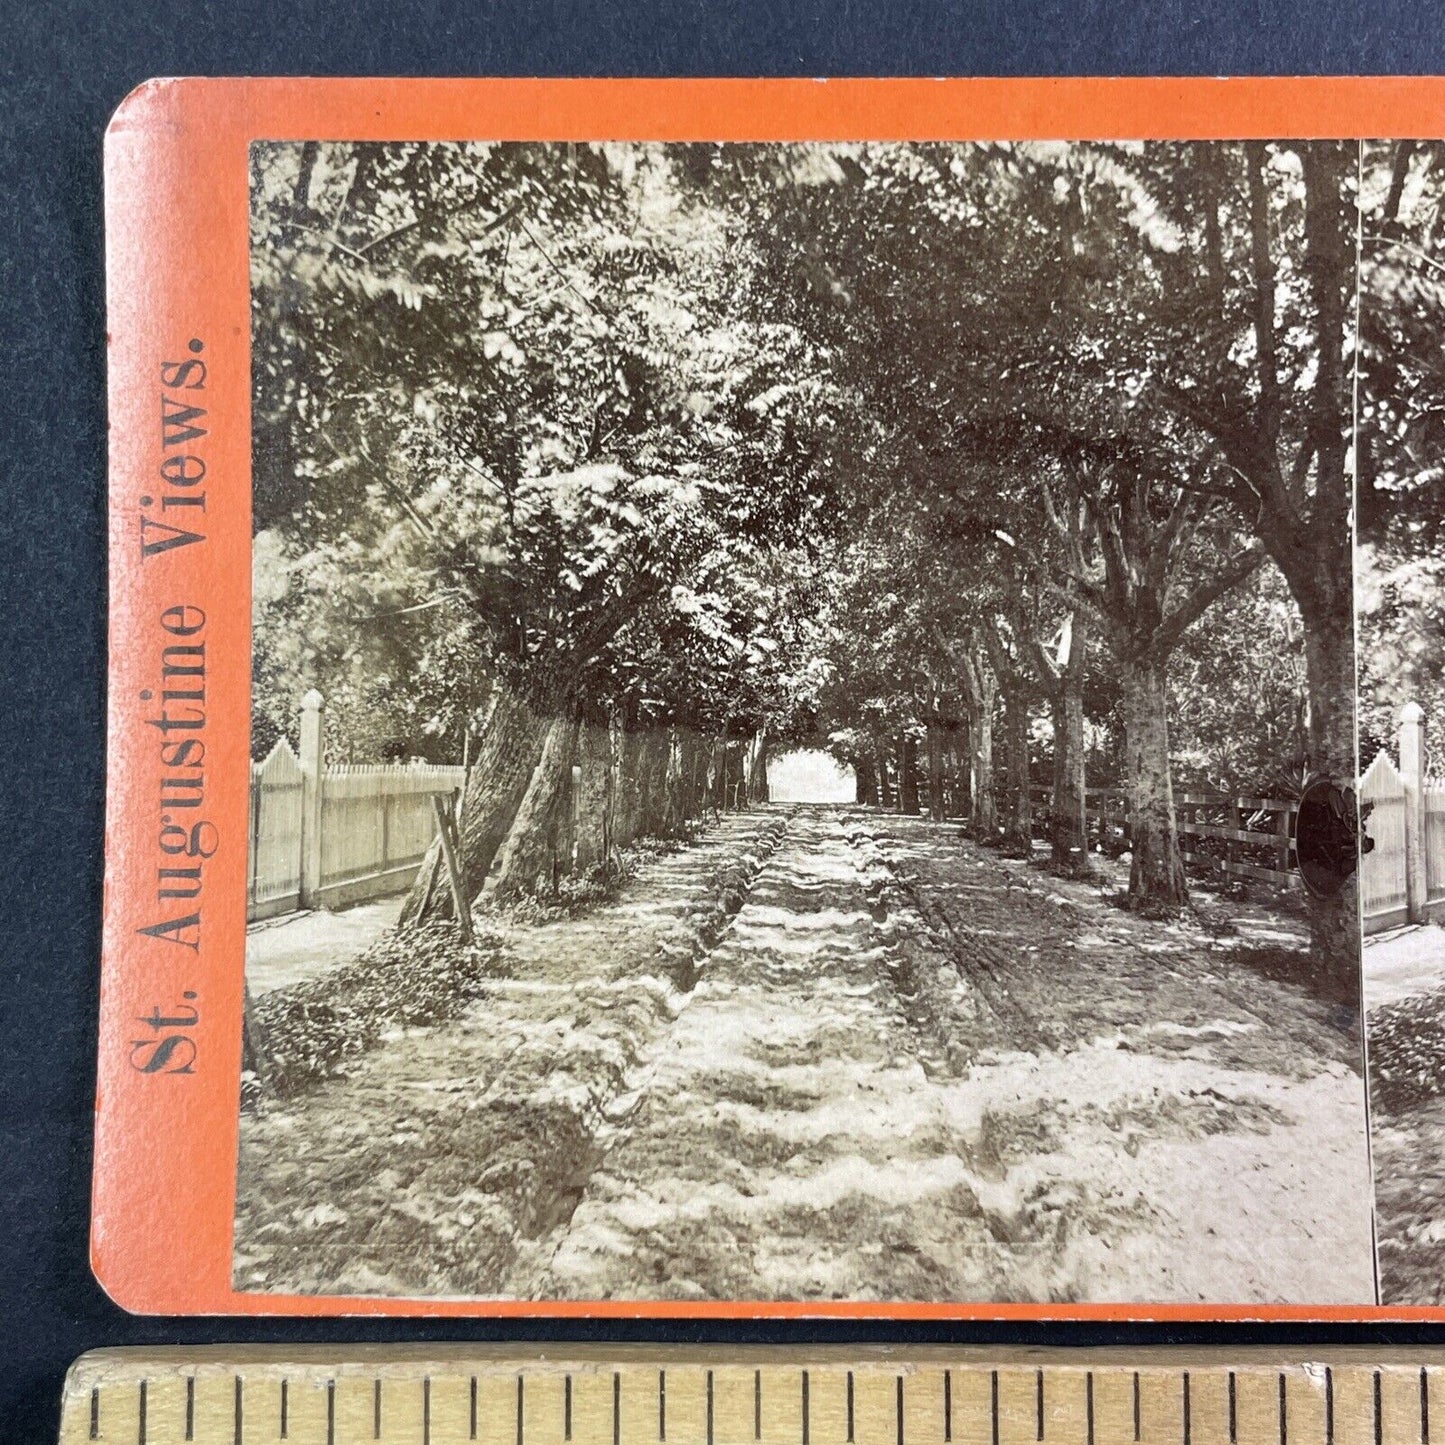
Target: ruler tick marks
x=151 y=1422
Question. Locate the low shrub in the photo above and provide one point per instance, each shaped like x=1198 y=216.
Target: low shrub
x=1407 y=1052
x=406 y=979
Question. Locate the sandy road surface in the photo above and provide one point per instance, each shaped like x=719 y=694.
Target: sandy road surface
x=830 y=1054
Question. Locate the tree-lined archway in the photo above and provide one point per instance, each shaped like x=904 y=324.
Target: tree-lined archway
x=630 y=463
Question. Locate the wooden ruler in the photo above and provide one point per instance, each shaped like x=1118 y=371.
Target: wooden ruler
x=621 y=1395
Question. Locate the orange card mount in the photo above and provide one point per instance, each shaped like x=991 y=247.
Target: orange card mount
x=629 y=792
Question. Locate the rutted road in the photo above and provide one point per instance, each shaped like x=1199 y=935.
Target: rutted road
x=788 y=1141
x=904 y=1069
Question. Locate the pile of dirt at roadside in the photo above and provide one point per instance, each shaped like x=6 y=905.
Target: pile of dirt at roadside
x=1407 y=1052
x=413 y=978
x=406 y=979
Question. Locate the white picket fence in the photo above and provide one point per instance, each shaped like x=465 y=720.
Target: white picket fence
x=325 y=836
x=273 y=882
x=1402 y=879
x=376 y=824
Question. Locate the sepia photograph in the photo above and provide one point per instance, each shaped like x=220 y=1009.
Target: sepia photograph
x=788 y=683
x=1400 y=582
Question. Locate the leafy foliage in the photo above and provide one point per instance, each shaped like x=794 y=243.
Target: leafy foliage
x=793 y=437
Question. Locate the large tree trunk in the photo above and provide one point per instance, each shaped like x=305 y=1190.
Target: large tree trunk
x=531 y=857
x=960 y=748
x=985 y=806
x=713 y=776
x=593 y=803
x=907 y=775
x=622 y=828
x=694 y=770
x=865 y=778
x=980 y=690
x=1018 y=814
x=1308 y=533
x=885 y=779
x=512 y=740
x=675 y=784
x=695 y=751
x=1330 y=672
x=717 y=774
x=1068 y=837
x=937 y=783
x=1018 y=823
x=1068 y=824
x=757 y=777
x=1156 y=875
x=654 y=755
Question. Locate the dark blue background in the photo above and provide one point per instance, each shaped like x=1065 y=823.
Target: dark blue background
x=63 y=68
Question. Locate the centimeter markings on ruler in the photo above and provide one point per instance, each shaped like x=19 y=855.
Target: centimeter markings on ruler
x=450 y=1397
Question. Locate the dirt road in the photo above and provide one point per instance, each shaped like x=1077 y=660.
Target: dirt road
x=827 y=1054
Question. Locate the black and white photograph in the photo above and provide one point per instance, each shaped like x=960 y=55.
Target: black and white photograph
x=1400 y=581
x=803 y=720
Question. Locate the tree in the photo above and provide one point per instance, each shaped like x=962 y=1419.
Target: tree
x=1254 y=251
x=644 y=460
x=1401 y=554
x=1144 y=525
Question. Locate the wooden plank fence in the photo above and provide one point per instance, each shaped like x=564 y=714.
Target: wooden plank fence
x=1402 y=879
x=1257 y=833
x=325 y=836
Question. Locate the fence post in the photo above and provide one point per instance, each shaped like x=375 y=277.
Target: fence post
x=313 y=761
x=1412 y=775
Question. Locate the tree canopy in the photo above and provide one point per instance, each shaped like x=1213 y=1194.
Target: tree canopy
x=881 y=444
